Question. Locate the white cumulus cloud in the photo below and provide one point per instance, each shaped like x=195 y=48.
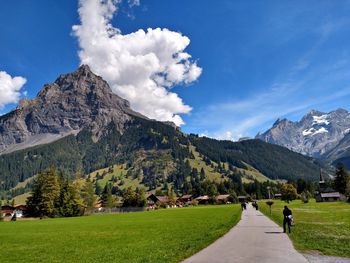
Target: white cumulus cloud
x=10 y=88
x=142 y=66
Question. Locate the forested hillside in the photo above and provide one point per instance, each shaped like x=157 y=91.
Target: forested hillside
x=156 y=154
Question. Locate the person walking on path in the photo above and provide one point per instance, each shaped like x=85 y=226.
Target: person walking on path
x=287 y=218
x=253 y=240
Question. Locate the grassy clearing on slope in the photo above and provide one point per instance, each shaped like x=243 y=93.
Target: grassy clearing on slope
x=168 y=235
x=318 y=226
x=250 y=174
x=119 y=171
x=198 y=163
x=24 y=183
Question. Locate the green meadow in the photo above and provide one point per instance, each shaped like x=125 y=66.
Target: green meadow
x=167 y=235
x=322 y=227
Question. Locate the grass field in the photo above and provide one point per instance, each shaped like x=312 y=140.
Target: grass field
x=167 y=235
x=324 y=227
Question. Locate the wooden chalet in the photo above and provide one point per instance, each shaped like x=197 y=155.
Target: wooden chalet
x=223 y=199
x=186 y=198
x=151 y=200
x=7 y=210
x=326 y=193
x=204 y=199
x=163 y=199
x=21 y=211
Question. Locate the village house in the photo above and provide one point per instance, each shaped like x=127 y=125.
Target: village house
x=223 y=199
x=184 y=200
x=151 y=200
x=163 y=199
x=7 y=210
x=160 y=200
x=204 y=199
x=10 y=211
x=326 y=193
x=21 y=211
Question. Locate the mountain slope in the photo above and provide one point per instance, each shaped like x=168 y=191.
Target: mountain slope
x=89 y=128
x=317 y=134
x=273 y=161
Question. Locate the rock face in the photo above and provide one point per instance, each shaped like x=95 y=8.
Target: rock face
x=317 y=134
x=74 y=101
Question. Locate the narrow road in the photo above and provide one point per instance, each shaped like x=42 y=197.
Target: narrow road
x=255 y=239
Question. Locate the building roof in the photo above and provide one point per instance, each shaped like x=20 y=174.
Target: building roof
x=186 y=196
x=241 y=197
x=162 y=198
x=203 y=197
x=21 y=207
x=333 y=194
x=222 y=197
x=327 y=190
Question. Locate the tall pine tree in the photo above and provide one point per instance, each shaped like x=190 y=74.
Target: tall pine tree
x=88 y=195
x=107 y=197
x=44 y=195
x=341 y=178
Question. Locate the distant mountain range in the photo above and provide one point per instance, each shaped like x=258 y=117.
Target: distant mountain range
x=80 y=126
x=318 y=134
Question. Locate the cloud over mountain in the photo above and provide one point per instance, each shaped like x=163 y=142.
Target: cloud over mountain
x=10 y=88
x=142 y=66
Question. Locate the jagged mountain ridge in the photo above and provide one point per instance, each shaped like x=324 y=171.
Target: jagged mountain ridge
x=317 y=134
x=73 y=102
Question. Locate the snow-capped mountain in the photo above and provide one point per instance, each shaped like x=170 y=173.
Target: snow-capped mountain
x=317 y=134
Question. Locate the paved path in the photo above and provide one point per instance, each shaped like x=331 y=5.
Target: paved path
x=255 y=239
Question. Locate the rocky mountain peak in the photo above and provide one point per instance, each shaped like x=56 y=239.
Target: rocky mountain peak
x=315 y=134
x=76 y=100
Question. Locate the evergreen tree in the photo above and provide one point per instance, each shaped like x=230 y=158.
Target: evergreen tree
x=129 y=197
x=194 y=173
x=171 y=197
x=187 y=169
x=347 y=192
x=141 y=198
x=68 y=203
x=202 y=174
x=98 y=189
x=212 y=192
x=45 y=193
x=341 y=178
x=88 y=195
x=107 y=197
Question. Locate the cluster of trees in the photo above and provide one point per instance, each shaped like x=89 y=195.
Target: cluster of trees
x=131 y=197
x=341 y=181
x=54 y=195
x=74 y=154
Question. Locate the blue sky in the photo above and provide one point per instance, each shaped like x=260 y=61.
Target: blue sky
x=260 y=60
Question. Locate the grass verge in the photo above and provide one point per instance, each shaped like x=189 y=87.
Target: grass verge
x=168 y=235
x=324 y=227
